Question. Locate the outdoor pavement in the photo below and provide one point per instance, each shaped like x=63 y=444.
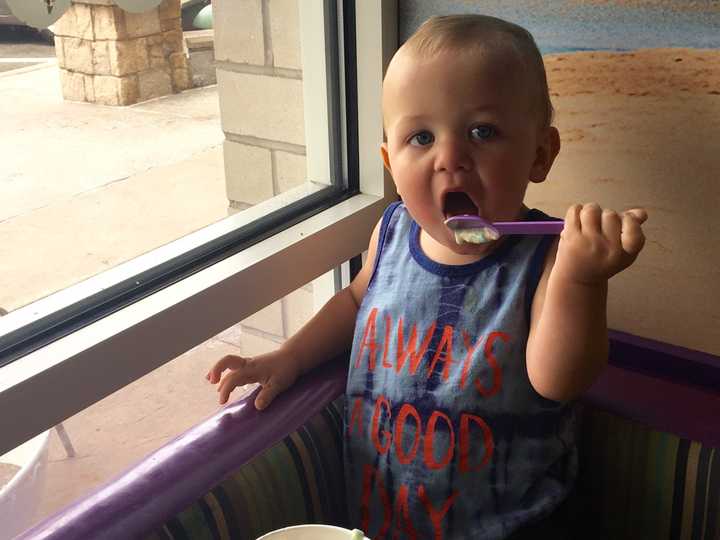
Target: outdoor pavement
x=88 y=186
x=84 y=187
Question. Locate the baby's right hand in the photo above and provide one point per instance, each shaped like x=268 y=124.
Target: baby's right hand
x=273 y=371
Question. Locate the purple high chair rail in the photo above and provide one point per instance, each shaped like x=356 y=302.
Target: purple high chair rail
x=661 y=385
x=183 y=470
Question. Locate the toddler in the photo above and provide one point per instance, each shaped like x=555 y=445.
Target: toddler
x=466 y=359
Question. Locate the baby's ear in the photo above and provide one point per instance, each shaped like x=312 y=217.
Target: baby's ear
x=385 y=156
x=546 y=152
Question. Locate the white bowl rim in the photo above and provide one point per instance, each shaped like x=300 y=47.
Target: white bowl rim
x=308 y=526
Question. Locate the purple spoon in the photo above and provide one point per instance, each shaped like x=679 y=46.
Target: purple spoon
x=493 y=231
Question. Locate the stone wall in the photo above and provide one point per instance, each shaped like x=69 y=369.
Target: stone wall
x=271 y=326
x=113 y=57
x=259 y=74
x=260 y=86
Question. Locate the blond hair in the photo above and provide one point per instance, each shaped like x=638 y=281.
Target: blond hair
x=483 y=33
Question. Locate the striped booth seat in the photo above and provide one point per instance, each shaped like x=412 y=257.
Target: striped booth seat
x=642 y=483
x=297 y=480
x=649 y=463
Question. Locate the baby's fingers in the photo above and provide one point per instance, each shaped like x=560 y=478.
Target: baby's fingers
x=227 y=362
x=572 y=219
x=231 y=381
x=639 y=213
x=227 y=385
x=612 y=227
x=632 y=237
x=267 y=394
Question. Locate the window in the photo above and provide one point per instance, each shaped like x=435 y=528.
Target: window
x=178 y=295
x=102 y=440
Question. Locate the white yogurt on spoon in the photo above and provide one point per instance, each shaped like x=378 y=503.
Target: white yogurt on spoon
x=475 y=235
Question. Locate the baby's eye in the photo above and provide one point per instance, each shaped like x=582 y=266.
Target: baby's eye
x=482 y=133
x=422 y=139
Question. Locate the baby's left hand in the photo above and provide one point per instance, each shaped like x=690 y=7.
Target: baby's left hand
x=596 y=244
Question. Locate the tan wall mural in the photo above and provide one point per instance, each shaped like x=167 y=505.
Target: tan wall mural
x=636 y=88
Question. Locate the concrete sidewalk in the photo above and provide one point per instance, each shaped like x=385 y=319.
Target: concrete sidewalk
x=85 y=187
x=88 y=186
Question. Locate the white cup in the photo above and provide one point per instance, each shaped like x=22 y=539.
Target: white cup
x=310 y=532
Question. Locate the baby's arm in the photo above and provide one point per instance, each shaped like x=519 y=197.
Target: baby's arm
x=328 y=333
x=568 y=345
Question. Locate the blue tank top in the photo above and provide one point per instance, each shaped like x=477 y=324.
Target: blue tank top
x=444 y=435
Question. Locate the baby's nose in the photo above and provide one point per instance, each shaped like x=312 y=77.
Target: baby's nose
x=452 y=155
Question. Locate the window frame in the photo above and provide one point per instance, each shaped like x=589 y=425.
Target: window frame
x=328 y=182
x=88 y=364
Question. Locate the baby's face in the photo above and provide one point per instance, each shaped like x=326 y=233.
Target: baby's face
x=463 y=136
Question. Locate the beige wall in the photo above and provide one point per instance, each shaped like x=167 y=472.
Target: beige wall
x=259 y=72
x=641 y=128
x=257 y=50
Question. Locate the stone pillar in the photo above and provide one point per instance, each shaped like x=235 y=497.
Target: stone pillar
x=259 y=76
x=109 y=56
x=260 y=86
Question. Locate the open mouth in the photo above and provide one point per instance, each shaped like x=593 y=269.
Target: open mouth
x=457 y=203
